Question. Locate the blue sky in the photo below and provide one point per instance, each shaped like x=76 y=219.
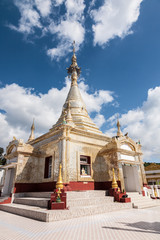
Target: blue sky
x=118 y=50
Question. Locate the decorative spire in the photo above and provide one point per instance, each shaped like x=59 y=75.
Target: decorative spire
x=59 y=183
x=31 y=137
x=74 y=110
x=114 y=182
x=119 y=133
x=74 y=71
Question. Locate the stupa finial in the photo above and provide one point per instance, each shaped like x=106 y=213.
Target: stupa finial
x=74 y=71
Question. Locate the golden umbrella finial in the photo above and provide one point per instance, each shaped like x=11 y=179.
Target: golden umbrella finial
x=74 y=69
x=59 y=183
x=114 y=182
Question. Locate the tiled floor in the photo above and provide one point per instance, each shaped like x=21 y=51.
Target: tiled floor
x=143 y=224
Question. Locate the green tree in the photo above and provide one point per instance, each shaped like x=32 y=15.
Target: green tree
x=2 y=158
x=147 y=164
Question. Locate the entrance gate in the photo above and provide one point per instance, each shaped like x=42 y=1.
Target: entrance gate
x=8 y=184
x=131 y=178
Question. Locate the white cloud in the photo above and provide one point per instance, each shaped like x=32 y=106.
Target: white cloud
x=65 y=21
x=75 y=9
x=67 y=27
x=67 y=31
x=21 y=105
x=99 y=120
x=60 y=51
x=44 y=7
x=58 y=2
x=96 y=100
x=144 y=123
x=30 y=18
x=114 y=18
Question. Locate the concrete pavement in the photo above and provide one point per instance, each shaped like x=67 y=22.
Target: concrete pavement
x=141 y=224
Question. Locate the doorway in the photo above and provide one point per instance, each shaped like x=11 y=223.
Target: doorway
x=8 y=182
x=131 y=178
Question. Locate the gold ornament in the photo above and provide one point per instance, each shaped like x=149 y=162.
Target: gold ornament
x=114 y=182
x=59 y=183
x=58 y=199
x=155 y=192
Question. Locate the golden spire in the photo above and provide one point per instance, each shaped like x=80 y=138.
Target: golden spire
x=59 y=183
x=74 y=71
x=119 y=133
x=114 y=182
x=31 y=137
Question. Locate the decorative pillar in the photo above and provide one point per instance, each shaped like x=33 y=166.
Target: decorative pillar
x=63 y=153
x=114 y=182
x=59 y=183
x=67 y=156
x=144 y=180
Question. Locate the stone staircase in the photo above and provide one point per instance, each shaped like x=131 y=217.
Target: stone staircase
x=139 y=201
x=79 y=203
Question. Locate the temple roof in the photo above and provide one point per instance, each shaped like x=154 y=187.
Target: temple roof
x=74 y=103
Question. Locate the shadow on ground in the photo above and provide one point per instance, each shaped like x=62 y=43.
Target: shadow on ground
x=145 y=227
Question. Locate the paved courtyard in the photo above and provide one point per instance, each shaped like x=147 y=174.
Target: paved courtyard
x=126 y=224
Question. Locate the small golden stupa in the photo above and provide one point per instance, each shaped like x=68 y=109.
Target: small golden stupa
x=114 y=182
x=59 y=183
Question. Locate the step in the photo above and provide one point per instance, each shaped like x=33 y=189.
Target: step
x=2 y=199
x=70 y=194
x=145 y=205
x=34 y=194
x=133 y=194
x=85 y=194
x=43 y=202
x=57 y=215
x=88 y=211
x=91 y=201
x=39 y=202
x=25 y=211
x=139 y=201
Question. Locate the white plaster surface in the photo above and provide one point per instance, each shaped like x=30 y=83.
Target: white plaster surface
x=127 y=157
x=126 y=147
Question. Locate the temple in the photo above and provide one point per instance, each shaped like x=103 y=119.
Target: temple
x=86 y=154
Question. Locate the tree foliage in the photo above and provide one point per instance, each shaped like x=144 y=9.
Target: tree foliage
x=147 y=164
x=2 y=158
